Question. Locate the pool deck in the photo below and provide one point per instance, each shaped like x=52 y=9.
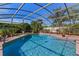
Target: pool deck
x=1 y=48
x=69 y=37
x=15 y=37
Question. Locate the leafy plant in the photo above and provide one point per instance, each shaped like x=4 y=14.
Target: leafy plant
x=36 y=26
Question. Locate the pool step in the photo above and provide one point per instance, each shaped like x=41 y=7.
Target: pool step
x=77 y=47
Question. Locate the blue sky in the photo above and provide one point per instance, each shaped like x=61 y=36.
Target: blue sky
x=31 y=7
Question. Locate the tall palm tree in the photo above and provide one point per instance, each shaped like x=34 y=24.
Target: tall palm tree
x=57 y=17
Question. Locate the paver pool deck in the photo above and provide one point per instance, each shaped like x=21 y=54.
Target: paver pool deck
x=69 y=37
x=0 y=48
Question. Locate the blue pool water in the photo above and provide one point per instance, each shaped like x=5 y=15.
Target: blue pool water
x=39 y=45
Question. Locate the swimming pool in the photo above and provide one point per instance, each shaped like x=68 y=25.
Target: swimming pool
x=39 y=45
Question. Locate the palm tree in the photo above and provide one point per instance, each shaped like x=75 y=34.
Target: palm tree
x=74 y=18
x=75 y=15
x=36 y=26
x=71 y=17
x=57 y=17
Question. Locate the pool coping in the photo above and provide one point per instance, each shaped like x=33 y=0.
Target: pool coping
x=16 y=37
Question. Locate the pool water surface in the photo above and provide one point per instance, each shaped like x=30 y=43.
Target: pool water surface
x=39 y=45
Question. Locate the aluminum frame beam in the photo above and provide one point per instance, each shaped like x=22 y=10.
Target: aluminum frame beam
x=17 y=11
x=37 y=10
